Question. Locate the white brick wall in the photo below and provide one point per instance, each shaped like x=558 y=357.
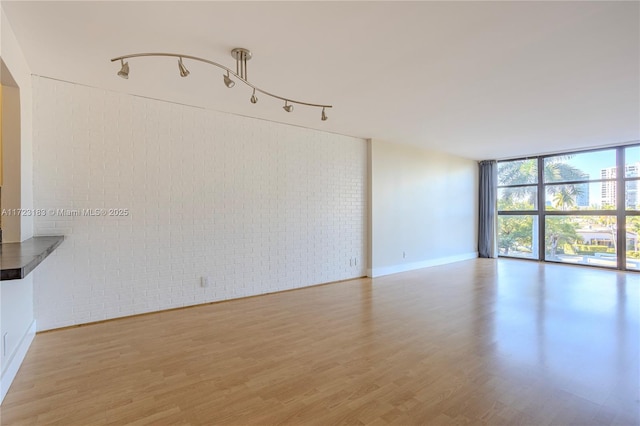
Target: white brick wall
x=257 y=206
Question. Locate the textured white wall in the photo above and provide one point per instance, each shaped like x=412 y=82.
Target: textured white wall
x=257 y=206
x=424 y=205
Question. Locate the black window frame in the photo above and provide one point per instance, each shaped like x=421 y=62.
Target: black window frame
x=620 y=211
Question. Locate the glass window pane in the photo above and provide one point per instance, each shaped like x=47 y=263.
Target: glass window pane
x=633 y=245
x=518 y=198
x=517 y=172
x=580 y=196
x=587 y=240
x=632 y=161
x=631 y=201
x=583 y=166
x=518 y=236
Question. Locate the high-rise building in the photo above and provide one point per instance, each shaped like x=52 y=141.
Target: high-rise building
x=608 y=196
x=631 y=187
x=609 y=188
x=582 y=199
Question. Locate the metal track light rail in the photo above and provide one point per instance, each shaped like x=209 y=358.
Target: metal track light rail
x=241 y=56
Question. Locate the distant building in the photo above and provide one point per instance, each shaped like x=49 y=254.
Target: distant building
x=609 y=188
x=603 y=236
x=582 y=198
x=608 y=196
x=631 y=196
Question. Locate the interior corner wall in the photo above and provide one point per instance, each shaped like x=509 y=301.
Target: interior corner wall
x=152 y=196
x=424 y=208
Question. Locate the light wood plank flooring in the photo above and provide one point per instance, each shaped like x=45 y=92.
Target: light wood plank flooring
x=476 y=342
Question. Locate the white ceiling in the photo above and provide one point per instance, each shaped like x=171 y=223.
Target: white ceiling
x=477 y=79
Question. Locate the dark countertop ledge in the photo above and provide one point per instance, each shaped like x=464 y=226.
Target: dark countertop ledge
x=19 y=259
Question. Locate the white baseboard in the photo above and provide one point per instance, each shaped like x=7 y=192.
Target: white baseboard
x=16 y=361
x=404 y=267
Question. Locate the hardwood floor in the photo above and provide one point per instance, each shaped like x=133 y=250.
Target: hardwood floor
x=476 y=342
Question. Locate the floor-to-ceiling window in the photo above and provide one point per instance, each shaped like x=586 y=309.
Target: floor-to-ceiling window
x=579 y=207
x=518 y=208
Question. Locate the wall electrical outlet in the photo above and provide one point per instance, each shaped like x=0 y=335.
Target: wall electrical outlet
x=204 y=282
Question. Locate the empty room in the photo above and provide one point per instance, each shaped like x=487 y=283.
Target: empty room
x=320 y=213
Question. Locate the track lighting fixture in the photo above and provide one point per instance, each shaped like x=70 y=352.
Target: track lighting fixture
x=124 y=70
x=183 y=70
x=228 y=82
x=241 y=56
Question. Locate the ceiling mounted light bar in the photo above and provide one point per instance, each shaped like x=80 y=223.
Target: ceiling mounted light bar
x=241 y=56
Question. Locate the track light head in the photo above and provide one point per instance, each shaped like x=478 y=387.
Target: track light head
x=124 y=70
x=228 y=82
x=323 y=117
x=254 y=98
x=183 y=70
x=286 y=107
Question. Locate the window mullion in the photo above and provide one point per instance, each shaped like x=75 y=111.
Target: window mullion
x=621 y=220
x=541 y=210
